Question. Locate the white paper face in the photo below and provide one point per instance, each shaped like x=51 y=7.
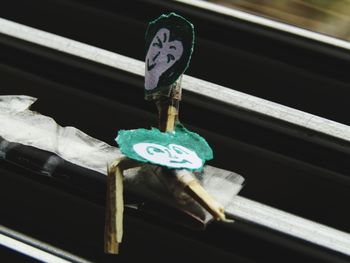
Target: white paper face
x=174 y=155
x=161 y=55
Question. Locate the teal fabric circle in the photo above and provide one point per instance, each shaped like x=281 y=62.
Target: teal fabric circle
x=180 y=149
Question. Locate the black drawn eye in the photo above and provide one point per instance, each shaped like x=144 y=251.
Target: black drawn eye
x=170 y=58
x=172 y=47
x=164 y=37
x=158 y=44
x=155 y=57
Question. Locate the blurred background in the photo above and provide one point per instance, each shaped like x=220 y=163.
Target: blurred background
x=323 y=16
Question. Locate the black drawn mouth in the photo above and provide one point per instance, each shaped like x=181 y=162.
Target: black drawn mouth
x=150 y=66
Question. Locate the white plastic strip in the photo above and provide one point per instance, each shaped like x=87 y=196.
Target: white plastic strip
x=20 y=125
x=29 y=250
x=219 y=93
x=267 y=22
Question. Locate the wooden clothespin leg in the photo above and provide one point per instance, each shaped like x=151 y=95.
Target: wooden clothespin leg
x=115 y=204
x=198 y=193
x=168 y=108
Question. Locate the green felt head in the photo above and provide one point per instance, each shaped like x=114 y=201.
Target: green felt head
x=169 y=46
x=181 y=149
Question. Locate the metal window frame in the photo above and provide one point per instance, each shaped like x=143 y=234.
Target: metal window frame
x=331 y=133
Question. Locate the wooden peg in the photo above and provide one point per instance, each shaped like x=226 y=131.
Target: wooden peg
x=115 y=204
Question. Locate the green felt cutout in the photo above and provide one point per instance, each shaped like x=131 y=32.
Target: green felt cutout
x=169 y=46
x=180 y=149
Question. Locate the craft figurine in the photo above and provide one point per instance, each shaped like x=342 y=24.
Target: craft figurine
x=169 y=46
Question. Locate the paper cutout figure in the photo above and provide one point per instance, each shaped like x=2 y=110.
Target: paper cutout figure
x=169 y=45
x=179 y=149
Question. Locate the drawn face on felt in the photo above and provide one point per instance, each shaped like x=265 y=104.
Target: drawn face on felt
x=173 y=155
x=161 y=55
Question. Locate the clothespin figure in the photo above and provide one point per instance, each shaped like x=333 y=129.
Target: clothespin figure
x=179 y=152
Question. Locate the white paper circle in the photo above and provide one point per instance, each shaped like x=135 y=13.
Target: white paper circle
x=175 y=156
